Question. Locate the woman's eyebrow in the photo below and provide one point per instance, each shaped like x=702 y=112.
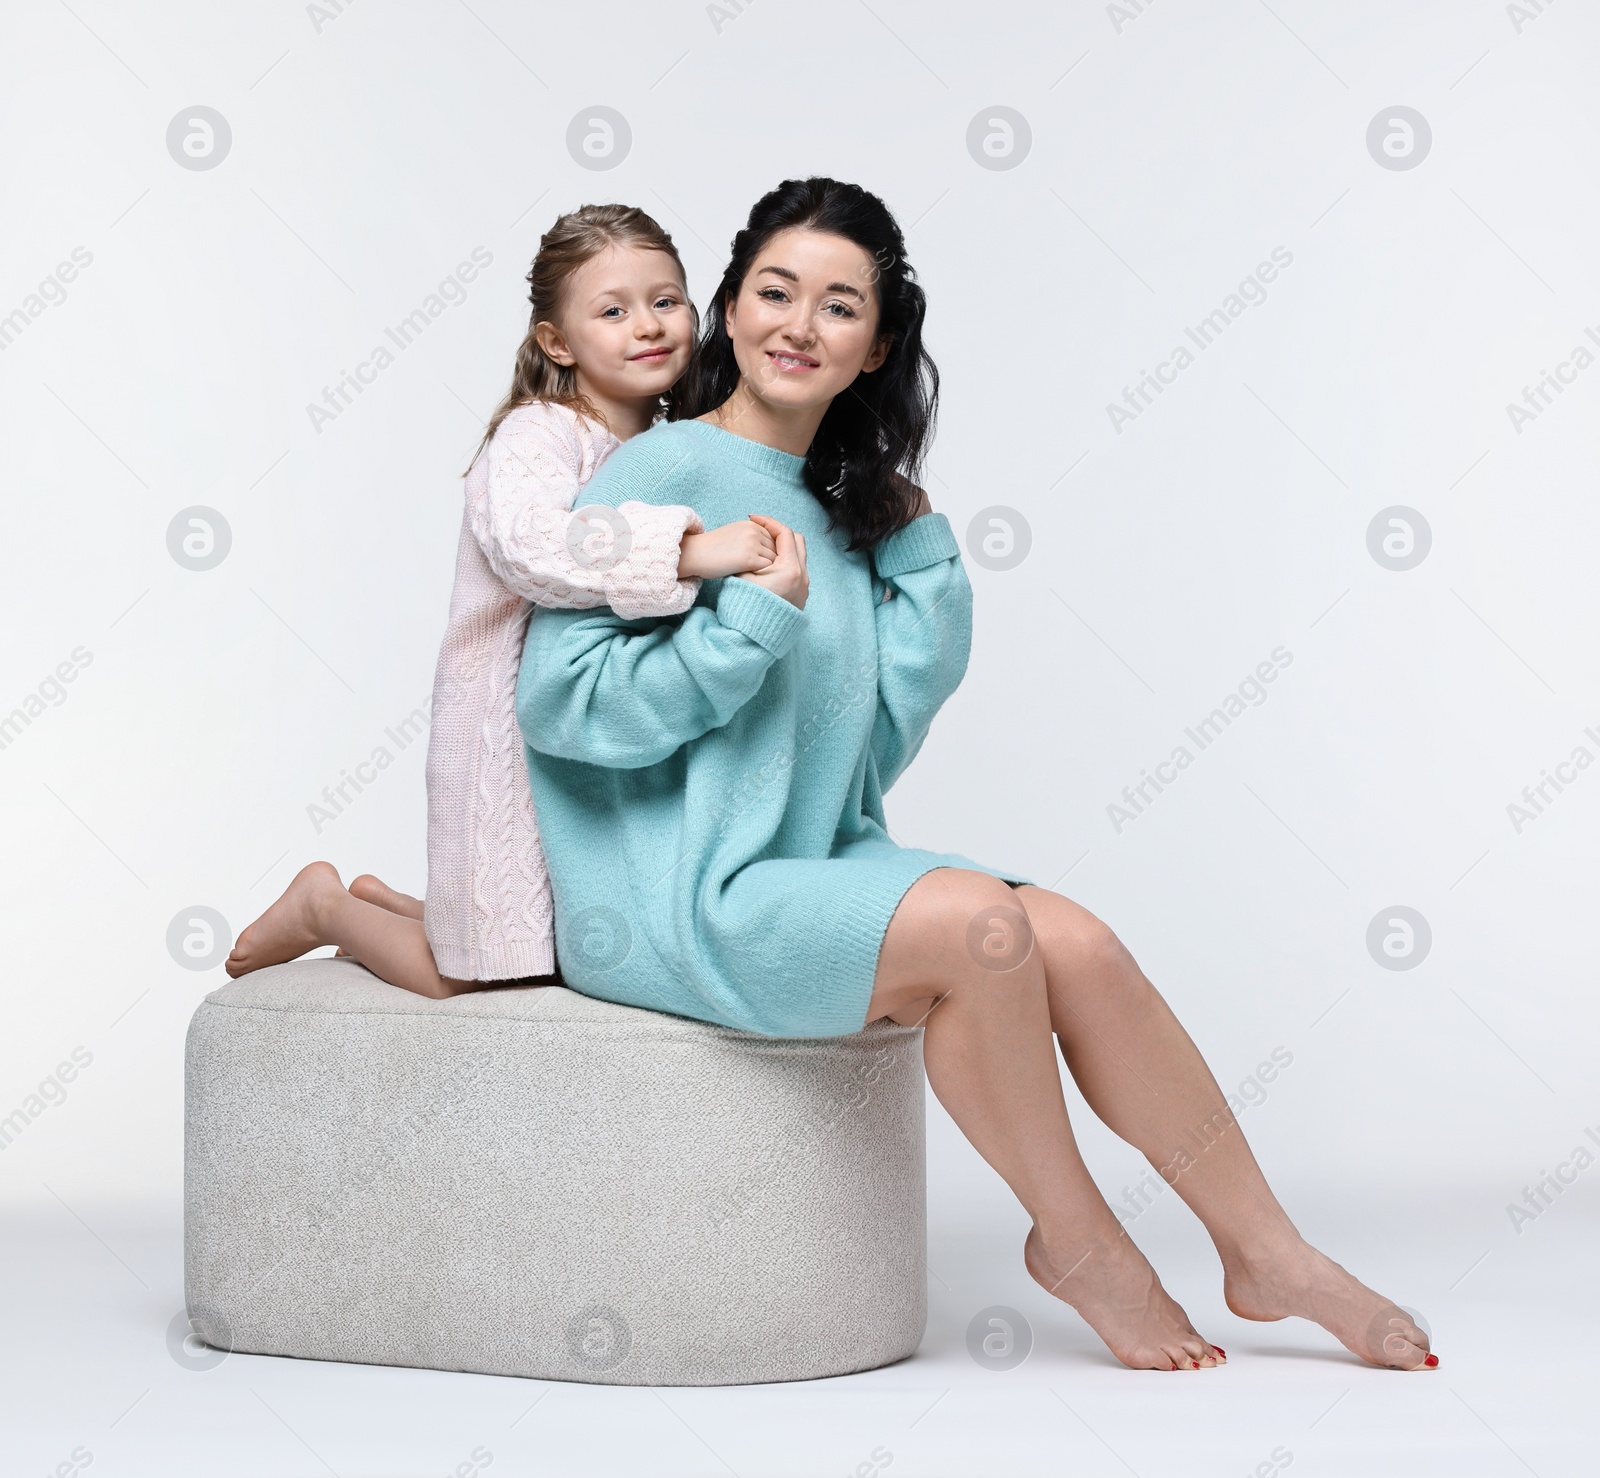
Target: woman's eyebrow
x=833 y=287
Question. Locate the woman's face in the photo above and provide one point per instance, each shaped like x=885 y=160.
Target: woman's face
x=805 y=321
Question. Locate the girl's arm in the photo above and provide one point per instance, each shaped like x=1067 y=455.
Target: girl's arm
x=524 y=524
x=595 y=688
x=924 y=617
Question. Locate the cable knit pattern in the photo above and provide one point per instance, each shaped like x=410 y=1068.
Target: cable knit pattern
x=489 y=913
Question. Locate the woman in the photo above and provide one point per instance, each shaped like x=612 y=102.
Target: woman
x=711 y=792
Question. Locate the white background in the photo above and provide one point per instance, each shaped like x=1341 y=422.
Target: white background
x=1172 y=150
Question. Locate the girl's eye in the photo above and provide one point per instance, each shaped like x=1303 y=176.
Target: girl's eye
x=667 y=302
x=611 y=310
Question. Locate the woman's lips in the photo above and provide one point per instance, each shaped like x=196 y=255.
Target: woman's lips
x=791 y=363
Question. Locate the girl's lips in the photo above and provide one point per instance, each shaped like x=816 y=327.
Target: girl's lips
x=653 y=356
x=791 y=362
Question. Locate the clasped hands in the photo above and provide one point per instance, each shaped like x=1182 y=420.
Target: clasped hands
x=759 y=549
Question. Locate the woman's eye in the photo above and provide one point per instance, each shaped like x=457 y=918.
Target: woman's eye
x=773 y=295
x=844 y=310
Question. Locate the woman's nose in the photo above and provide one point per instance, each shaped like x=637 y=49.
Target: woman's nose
x=799 y=328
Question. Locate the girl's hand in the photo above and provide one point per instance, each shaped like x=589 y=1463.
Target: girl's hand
x=786 y=575
x=734 y=549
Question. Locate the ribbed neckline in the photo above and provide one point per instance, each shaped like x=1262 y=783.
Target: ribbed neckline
x=783 y=465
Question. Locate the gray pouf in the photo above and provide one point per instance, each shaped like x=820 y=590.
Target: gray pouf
x=526 y=1181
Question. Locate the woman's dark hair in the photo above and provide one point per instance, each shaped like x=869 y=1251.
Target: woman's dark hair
x=882 y=424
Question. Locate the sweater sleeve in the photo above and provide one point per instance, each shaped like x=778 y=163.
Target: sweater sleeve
x=923 y=609
x=595 y=688
x=539 y=549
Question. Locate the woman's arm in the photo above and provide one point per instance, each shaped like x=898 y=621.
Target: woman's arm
x=924 y=617
x=595 y=689
x=524 y=524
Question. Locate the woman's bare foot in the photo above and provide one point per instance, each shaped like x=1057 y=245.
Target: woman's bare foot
x=1297 y=1279
x=290 y=928
x=1117 y=1292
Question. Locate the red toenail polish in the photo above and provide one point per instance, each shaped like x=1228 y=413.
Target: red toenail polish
x=1431 y=1361
x=1220 y=1351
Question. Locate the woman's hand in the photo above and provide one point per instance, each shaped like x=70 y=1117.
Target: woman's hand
x=734 y=549
x=786 y=575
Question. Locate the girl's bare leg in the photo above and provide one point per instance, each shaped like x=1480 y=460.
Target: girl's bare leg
x=990 y=1055
x=317 y=910
x=1143 y=1075
x=374 y=890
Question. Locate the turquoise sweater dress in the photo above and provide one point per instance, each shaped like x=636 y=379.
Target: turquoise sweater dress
x=709 y=786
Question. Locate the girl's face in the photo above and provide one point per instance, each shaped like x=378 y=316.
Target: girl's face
x=625 y=324
x=805 y=321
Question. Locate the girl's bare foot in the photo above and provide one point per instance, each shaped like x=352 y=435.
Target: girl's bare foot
x=1297 y=1279
x=1117 y=1292
x=374 y=890
x=291 y=927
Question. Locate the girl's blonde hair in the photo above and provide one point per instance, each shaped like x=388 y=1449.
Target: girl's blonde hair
x=575 y=239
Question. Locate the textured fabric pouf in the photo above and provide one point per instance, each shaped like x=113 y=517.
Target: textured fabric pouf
x=526 y=1181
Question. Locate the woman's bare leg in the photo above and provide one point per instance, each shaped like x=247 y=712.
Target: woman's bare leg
x=990 y=1056
x=317 y=910
x=1143 y=1075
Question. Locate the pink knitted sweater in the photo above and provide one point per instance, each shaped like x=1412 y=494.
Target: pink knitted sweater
x=489 y=913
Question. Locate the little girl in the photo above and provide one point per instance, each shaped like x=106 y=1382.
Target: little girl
x=611 y=331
